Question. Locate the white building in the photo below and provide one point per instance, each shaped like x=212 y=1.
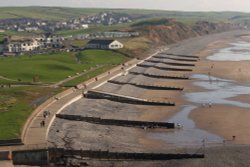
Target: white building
x=85 y=26
x=104 y=44
x=22 y=45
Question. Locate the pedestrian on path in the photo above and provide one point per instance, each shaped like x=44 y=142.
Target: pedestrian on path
x=45 y=114
x=42 y=123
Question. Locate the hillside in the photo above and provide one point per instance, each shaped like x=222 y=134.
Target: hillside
x=62 y=13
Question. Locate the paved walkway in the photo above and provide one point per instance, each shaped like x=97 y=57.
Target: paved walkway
x=7 y=79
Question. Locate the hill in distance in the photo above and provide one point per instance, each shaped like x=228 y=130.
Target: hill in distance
x=64 y=13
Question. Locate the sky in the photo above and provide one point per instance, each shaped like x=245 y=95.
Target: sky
x=184 y=5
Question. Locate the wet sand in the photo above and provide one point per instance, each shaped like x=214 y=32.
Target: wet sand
x=226 y=121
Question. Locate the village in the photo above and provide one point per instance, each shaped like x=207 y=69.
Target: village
x=43 y=36
x=48 y=43
x=34 y=25
x=52 y=43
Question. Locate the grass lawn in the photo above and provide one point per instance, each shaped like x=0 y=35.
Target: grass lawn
x=55 y=67
x=93 y=57
x=16 y=104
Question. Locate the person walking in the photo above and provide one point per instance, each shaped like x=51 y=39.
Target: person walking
x=42 y=123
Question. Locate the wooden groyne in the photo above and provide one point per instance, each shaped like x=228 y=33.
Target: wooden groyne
x=108 y=155
x=176 y=59
x=11 y=142
x=116 y=122
x=171 y=63
x=181 y=55
x=58 y=156
x=163 y=68
x=160 y=76
x=124 y=99
x=152 y=87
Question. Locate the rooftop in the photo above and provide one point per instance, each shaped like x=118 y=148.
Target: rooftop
x=101 y=41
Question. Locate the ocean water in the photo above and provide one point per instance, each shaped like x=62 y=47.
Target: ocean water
x=238 y=51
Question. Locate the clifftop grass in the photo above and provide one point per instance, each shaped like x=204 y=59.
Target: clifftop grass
x=152 y=22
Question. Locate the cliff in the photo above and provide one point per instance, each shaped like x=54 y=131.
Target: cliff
x=160 y=32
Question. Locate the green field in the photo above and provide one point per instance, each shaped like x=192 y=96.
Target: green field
x=16 y=104
x=44 y=13
x=95 y=29
x=51 y=68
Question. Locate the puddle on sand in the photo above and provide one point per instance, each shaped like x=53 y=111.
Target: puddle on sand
x=216 y=92
x=189 y=135
x=219 y=91
x=236 y=52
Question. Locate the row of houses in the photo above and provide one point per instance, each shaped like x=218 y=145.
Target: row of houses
x=44 y=44
x=110 y=34
x=31 y=25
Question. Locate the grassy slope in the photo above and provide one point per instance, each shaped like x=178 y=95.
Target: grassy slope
x=55 y=67
x=88 y=75
x=99 y=28
x=15 y=108
x=106 y=60
x=49 y=68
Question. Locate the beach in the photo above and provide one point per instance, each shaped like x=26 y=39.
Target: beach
x=218 y=120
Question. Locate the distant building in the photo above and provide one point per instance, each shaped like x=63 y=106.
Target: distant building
x=51 y=41
x=104 y=44
x=20 y=44
x=29 y=29
x=20 y=30
x=1 y=48
x=85 y=26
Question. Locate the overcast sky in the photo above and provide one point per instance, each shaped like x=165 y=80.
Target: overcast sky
x=187 y=5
